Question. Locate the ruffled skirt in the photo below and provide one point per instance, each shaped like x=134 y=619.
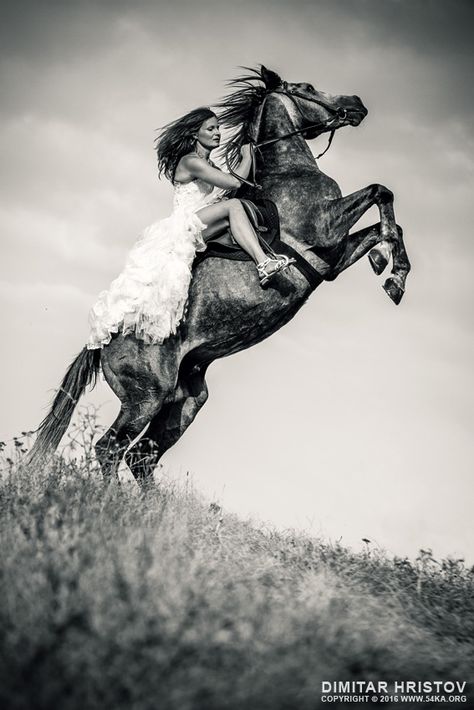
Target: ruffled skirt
x=149 y=297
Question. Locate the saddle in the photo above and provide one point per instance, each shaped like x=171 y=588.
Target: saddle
x=264 y=218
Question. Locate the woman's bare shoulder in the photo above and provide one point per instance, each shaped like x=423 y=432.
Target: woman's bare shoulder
x=186 y=164
x=190 y=159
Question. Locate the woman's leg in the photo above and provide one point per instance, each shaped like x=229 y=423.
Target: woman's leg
x=230 y=212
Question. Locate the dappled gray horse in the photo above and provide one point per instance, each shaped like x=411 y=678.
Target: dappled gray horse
x=162 y=387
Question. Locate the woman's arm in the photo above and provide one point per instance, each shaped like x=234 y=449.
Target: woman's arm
x=243 y=168
x=200 y=168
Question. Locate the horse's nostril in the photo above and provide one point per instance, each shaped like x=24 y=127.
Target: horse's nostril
x=360 y=105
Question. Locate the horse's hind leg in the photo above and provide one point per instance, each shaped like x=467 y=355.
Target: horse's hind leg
x=168 y=425
x=144 y=455
x=111 y=447
x=142 y=378
x=194 y=394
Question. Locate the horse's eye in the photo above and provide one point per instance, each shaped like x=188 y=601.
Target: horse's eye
x=309 y=87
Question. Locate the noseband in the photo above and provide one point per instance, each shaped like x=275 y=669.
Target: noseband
x=338 y=113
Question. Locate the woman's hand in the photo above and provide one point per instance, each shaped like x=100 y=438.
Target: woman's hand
x=246 y=151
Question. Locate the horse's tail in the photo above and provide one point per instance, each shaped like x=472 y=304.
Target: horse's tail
x=81 y=373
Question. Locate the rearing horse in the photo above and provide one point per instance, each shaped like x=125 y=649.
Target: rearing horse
x=162 y=387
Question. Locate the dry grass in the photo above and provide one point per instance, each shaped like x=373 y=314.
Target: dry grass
x=158 y=600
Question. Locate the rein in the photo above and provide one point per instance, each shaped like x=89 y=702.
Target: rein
x=338 y=114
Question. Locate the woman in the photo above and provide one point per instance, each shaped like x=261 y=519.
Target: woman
x=149 y=297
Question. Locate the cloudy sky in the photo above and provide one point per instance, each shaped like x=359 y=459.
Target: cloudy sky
x=365 y=410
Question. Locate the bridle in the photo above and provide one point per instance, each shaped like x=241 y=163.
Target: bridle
x=338 y=113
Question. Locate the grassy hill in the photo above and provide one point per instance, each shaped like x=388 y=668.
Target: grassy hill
x=161 y=600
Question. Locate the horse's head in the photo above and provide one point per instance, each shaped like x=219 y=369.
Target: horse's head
x=318 y=110
x=308 y=112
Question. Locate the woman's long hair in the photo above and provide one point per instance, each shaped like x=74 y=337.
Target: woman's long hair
x=176 y=139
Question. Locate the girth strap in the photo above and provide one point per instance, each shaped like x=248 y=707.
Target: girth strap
x=303 y=266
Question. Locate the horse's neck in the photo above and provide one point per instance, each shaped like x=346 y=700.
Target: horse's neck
x=285 y=155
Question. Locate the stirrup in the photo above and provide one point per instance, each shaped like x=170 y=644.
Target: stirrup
x=282 y=262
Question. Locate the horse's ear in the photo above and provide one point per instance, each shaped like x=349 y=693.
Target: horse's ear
x=270 y=78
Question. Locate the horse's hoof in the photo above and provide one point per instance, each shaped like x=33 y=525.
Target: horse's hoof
x=394 y=291
x=378 y=261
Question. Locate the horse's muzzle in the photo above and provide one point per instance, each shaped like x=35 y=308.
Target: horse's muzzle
x=356 y=111
x=354 y=118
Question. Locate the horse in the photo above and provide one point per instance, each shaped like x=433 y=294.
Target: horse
x=162 y=387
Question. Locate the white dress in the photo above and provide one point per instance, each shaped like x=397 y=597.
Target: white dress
x=149 y=297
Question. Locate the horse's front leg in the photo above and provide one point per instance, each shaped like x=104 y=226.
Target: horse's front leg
x=344 y=212
x=359 y=244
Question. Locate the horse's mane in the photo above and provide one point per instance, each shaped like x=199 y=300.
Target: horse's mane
x=240 y=107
